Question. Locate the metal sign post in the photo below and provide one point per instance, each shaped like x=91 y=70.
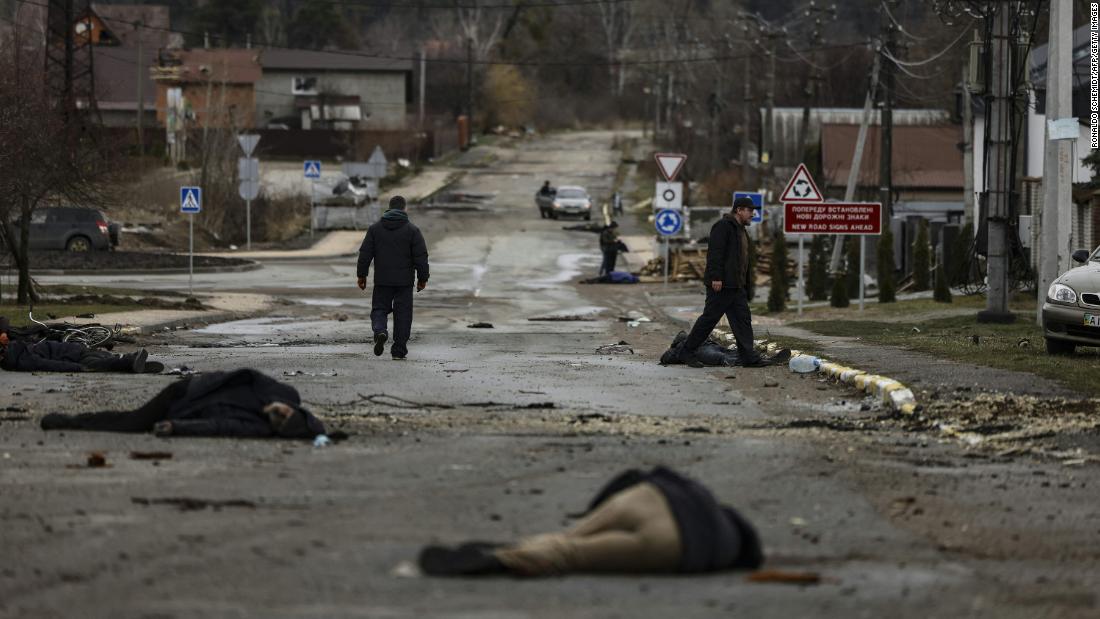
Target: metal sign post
x=801 y=271
x=312 y=170
x=668 y=222
x=249 y=176
x=191 y=203
x=862 y=266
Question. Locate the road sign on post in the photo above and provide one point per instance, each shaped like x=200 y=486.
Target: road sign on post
x=801 y=188
x=377 y=164
x=248 y=171
x=248 y=143
x=669 y=196
x=311 y=169
x=191 y=203
x=860 y=218
x=757 y=203
x=670 y=164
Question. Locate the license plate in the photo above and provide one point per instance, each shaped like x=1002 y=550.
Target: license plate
x=1092 y=320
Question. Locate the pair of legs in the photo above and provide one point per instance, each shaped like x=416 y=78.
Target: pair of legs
x=610 y=257
x=141 y=419
x=633 y=531
x=102 y=361
x=733 y=303
x=396 y=300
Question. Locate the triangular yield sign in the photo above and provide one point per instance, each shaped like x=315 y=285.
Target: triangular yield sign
x=801 y=188
x=670 y=164
x=377 y=156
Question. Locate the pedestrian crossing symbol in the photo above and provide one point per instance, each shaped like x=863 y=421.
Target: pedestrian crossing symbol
x=312 y=168
x=190 y=199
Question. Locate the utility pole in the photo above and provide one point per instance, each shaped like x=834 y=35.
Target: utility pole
x=997 y=164
x=1056 y=218
x=857 y=159
x=886 y=132
x=746 y=122
x=968 y=149
x=669 y=101
x=139 y=26
x=769 y=119
x=423 y=82
x=470 y=83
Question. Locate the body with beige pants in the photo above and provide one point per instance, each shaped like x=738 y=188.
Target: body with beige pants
x=640 y=522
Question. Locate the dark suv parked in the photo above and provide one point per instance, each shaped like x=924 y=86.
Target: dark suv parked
x=70 y=228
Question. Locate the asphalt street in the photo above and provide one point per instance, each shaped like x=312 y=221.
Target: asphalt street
x=496 y=433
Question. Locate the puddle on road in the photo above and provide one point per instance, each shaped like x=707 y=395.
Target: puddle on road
x=569 y=267
x=265 y=326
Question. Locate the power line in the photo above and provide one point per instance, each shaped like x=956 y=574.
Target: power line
x=464 y=61
x=932 y=58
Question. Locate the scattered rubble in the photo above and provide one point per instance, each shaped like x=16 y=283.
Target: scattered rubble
x=622 y=348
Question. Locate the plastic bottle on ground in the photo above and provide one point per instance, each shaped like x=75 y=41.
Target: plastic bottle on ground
x=804 y=364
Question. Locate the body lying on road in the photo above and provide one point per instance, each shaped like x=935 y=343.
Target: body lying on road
x=658 y=521
x=242 y=403
x=50 y=356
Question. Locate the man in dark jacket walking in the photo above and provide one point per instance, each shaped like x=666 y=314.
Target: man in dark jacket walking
x=398 y=251
x=610 y=246
x=728 y=278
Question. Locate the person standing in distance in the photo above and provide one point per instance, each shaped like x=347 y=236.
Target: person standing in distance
x=727 y=279
x=399 y=252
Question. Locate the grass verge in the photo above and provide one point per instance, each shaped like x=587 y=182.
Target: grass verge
x=1018 y=347
x=17 y=314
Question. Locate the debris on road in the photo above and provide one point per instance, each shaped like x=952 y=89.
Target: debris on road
x=302 y=373
x=189 y=504
x=96 y=460
x=150 y=455
x=622 y=348
x=784 y=577
x=337 y=316
x=480 y=325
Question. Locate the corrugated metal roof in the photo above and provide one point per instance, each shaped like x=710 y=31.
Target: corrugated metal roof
x=307 y=60
x=923 y=157
x=116 y=75
x=234 y=66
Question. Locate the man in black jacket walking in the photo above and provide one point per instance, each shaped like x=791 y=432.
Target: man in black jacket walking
x=728 y=278
x=398 y=251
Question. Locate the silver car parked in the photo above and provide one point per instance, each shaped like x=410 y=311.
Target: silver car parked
x=1071 y=314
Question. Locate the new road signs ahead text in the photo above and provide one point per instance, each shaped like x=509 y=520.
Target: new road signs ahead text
x=833 y=218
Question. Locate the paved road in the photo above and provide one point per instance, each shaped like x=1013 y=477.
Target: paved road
x=460 y=442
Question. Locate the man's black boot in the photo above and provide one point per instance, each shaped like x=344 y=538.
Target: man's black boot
x=690 y=359
x=380 y=342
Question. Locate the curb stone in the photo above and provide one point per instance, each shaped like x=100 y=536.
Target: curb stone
x=889 y=391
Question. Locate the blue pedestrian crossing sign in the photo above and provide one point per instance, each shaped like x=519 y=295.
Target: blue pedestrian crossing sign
x=312 y=168
x=757 y=203
x=190 y=199
x=668 y=222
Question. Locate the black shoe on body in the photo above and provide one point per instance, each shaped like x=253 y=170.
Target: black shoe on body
x=154 y=367
x=380 y=342
x=691 y=360
x=139 y=361
x=57 y=421
x=467 y=560
x=758 y=362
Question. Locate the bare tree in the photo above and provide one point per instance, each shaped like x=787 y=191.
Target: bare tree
x=48 y=154
x=617 y=20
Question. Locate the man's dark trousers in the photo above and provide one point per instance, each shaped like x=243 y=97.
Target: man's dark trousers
x=610 y=256
x=733 y=303
x=399 y=301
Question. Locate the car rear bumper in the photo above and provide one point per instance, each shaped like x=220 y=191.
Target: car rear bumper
x=1066 y=323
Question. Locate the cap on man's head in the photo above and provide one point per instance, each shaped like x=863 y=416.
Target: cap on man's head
x=613 y=224
x=398 y=203
x=743 y=202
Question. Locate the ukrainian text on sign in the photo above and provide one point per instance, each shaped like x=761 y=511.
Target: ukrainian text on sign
x=833 y=218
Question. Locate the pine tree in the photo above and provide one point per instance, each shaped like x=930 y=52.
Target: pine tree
x=942 y=292
x=839 y=297
x=887 y=288
x=777 y=295
x=817 y=288
x=959 y=266
x=851 y=273
x=922 y=257
x=779 y=257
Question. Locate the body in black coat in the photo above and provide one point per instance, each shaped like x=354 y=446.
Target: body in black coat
x=213 y=404
x=713 y=536
x=51 y=356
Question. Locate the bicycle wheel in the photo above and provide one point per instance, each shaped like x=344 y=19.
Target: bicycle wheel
x=92 y=336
